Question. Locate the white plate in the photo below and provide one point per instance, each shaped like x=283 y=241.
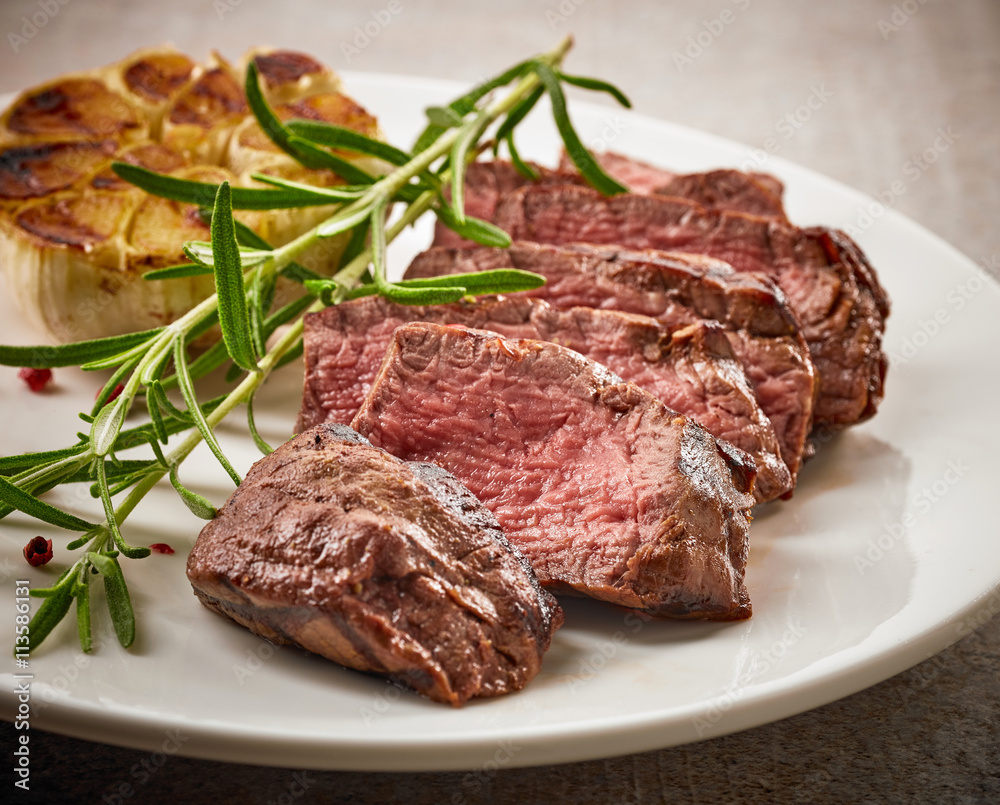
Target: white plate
x=885 y=555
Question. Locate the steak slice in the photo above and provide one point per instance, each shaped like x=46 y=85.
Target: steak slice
x=693 y=370
x=722 y=189
x=487 y=181
x=830 y=286
x=678 y=290
x=608 y=492
x=377 y=564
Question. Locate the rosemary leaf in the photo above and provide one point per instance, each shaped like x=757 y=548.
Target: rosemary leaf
x=351 y=174
x=596 y=85
x=285 y=314
x=116 y=593
x=331 y=194
x=81 y=591
x=201 y=252
x=80 y=541
x=262 y=445
x=423 y=296
x=292 y=355
x=517 y=114
x=11 y=464
x=346 y=139
x=443 y=117
x=126 y=359
x=585 y=163
x=155 y=417
x=107 y=425
x=460 y=153
x=522 y=167
x=204 y=193
x=52 y=610
x=75 y=354
x=356 y=245
x=232 y=373
x=177 y=272
x=298 y=273
x=109 y=387
x=341 y=223
x=22 y=501
x=482 y=283
x=302 y=150
x=378 y=245
x=226 y=259
x=208 y=361
x=157 y=391
x=199 y=506
x=110 y=518
x=197 y=413
x=48 y=592
x=474 y=229
x=116 y=471
x=245 y=236
x=258 y=304
x=266 y=118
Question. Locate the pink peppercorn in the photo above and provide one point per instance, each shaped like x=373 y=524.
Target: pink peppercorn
x=38 y=551
x=35 y=379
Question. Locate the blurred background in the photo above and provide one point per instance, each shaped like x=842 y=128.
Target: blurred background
x=877 y=95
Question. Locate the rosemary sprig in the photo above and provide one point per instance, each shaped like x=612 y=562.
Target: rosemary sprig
x=245 y=269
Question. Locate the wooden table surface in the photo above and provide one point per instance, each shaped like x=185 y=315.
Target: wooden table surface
x=896 y=75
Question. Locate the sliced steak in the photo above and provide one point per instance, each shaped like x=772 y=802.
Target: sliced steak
x=722 y=189
x=726 y=190
x=486 y=182
x=608 y=492
x=676 y=289
x=830 y=286
x=693 y=369
x=380 y=565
